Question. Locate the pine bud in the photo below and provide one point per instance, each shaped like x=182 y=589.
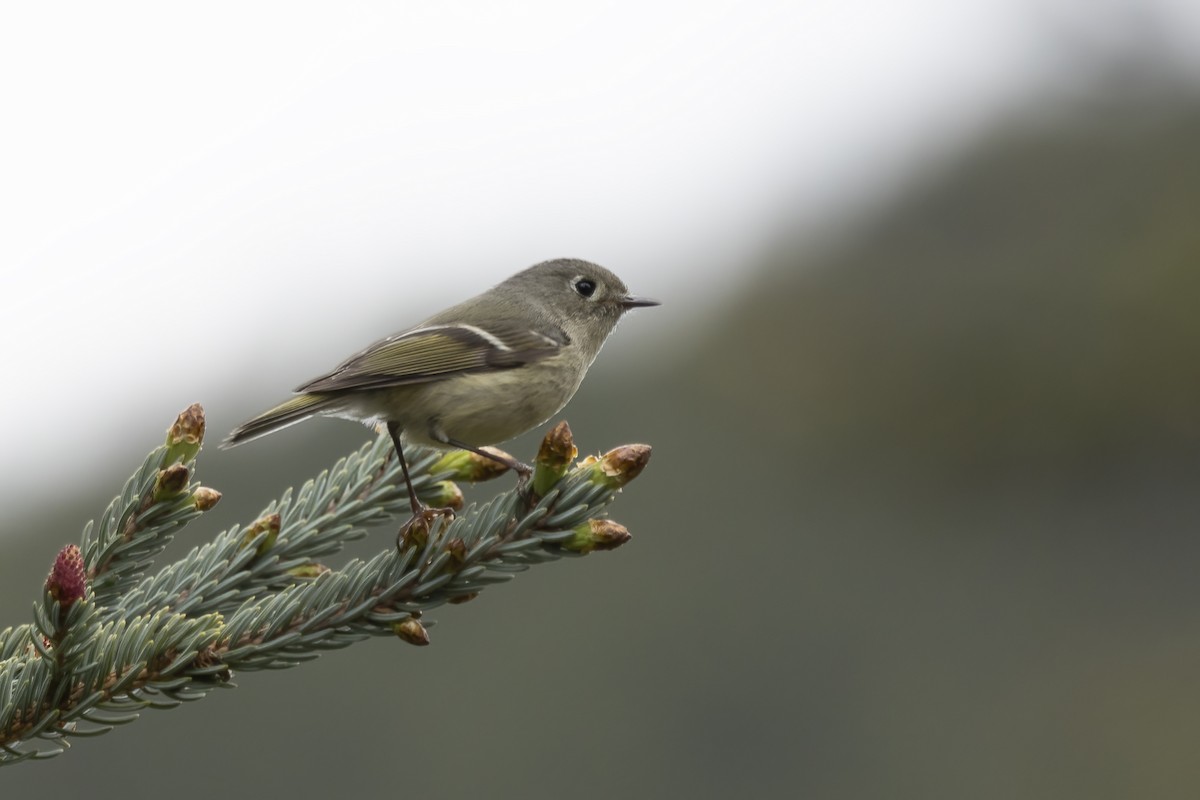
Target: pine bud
x=458 y=550
x=446 y=494
x=67 y=581
x=185 y=437
x=205 y=498
x=598 y=534
x=415 y=532
x=268 y=525
x=170 y=482
x=618 y=466
x=554 y=458
x=312 y=569
x=464 y=465
x=411 y=631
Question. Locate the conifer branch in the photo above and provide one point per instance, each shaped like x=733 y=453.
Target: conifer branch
x=109 y=640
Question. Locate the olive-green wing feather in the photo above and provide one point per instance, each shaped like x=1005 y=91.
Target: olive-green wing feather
x=434 y=352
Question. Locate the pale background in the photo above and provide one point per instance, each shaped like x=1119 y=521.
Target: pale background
x=251 y=191
x=922 y=390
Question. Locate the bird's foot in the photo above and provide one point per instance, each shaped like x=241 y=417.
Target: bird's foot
x=421 y=524
x=525 y=494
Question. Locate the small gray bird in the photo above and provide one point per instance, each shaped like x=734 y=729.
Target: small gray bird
x=476 y=374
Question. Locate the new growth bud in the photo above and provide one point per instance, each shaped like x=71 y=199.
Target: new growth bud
x=415 y=532
x=67 y=581
x=185 y=437
x=446 y=494
x=311 y=570
x=618 y=466
x=411 y=631
x=598 y=534
x=170 y=482
x=458 y=550
x=205 y=498
x=554 y=458
x=268 y=525
x=464 y=465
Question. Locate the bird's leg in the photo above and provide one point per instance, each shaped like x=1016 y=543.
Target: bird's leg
x=523 y=470
x=421 y=513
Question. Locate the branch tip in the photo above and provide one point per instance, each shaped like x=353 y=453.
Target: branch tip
x=205 y=497
x=554 y=458
x=186 y=435
x=618 y=466
x=597 y=534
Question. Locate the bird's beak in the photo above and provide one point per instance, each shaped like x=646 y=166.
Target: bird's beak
x=629 y=301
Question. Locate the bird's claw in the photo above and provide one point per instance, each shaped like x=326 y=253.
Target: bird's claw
x=416 y=530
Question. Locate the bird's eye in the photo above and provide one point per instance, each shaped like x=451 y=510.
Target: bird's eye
x=585 y=287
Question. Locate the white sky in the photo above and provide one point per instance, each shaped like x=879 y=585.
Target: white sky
x=193 y=195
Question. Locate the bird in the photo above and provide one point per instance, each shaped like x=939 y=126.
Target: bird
x=476 y=374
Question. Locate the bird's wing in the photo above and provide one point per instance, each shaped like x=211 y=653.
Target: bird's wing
x=432 y=352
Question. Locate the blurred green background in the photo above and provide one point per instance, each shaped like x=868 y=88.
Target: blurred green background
x=921 y=521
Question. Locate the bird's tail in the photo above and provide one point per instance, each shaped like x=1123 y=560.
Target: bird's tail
x=298 y=409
